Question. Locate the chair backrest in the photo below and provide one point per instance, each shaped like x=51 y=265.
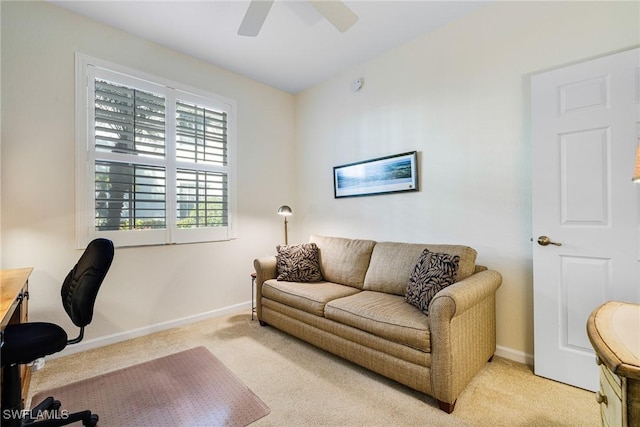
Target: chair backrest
x=81 y=285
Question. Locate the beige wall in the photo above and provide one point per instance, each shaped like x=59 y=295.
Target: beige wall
x=146 y=287
x=460 y=97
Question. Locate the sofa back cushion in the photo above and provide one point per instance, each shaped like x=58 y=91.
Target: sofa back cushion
x=392 y=264
x=344 y=261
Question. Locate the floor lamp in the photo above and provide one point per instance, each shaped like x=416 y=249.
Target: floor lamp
x=285 y=211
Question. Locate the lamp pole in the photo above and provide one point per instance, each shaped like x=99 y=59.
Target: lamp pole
x=286 y=234
x=285 y=211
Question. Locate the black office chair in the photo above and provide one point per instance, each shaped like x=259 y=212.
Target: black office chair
x=26 y=342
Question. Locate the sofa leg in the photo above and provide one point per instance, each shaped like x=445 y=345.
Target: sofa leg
x=446 y=406
x=263 y=323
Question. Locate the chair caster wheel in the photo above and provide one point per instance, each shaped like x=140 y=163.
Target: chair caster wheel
x=92 y=421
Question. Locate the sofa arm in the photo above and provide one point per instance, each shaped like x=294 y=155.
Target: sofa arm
x=265 y=269
x=462 y=323
x=459 y=297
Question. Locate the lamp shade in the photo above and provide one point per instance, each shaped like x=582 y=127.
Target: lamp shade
x=636 y=169
x=285 y=210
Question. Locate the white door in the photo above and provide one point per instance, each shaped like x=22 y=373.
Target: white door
x=585 y=125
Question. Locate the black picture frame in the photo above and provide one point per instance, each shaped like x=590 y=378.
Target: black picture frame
x=390 y=174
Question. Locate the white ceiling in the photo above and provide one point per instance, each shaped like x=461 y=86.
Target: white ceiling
x=296 y=48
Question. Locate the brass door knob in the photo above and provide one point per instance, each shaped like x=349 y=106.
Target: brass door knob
x=545 y=241
x=601 y=398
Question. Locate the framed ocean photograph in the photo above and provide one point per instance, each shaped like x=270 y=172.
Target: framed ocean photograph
x=390 y=174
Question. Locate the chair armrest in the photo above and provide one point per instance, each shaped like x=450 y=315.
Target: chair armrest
x=462 y=322
x=265 y=269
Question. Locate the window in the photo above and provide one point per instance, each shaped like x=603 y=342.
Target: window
x=155 y=159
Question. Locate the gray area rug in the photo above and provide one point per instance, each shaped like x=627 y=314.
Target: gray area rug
x=188 y=388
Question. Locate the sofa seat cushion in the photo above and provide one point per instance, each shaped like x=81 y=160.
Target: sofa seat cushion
x=392 y=264
x=385 y=315
x=307 y=296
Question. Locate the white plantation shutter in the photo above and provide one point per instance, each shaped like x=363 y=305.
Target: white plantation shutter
x=158 y=159
x=129 y=196
x=201 y=134
x=129 y=122
x=201 y=150
x=202 y=199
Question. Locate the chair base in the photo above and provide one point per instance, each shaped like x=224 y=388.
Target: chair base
x=46 y=414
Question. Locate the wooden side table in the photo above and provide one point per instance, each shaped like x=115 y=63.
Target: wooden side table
x=614 y=331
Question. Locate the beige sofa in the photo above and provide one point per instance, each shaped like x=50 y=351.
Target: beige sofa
x=358 y=312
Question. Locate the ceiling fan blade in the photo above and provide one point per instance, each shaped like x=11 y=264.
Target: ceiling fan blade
x=337 y=13
x=254 y=18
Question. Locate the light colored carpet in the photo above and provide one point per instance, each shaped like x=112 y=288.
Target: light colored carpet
x=172 y=390
x=305 y=386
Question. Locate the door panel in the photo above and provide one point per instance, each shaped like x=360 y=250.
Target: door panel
x=583 y=285
x=584 y=135
x=580 y=96
x=584 y=163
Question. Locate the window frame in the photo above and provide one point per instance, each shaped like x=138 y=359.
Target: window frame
x=87 y=69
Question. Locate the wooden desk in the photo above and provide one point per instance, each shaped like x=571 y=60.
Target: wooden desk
x=614 y=331
x=14 y=290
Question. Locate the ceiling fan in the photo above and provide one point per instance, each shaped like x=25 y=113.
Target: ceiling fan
x=335 y=11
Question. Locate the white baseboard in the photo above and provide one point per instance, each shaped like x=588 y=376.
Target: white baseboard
x=515 y=355
x=134 y=333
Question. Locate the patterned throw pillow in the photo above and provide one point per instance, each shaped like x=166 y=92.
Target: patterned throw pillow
x=298 y=263
x=432 y=273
